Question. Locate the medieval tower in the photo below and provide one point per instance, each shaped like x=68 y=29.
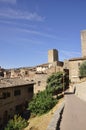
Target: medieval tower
x=52 y=55
x=83 y=43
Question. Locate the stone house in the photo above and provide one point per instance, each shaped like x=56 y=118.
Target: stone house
x=40 y=77
x=14 y=97
x=42 y=68
x=74 y=63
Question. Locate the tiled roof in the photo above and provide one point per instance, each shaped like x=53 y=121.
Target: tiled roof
x=12 y=82
x=43 y=65
x=79 y=58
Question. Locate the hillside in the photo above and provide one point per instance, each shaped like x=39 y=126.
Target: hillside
x=41 y=122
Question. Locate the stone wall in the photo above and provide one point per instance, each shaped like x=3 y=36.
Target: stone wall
x=81 y=90
x=74 y=69
x=40 y=82
x=66 y=64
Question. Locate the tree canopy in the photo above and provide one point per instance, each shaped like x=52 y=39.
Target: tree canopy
x=58 y=81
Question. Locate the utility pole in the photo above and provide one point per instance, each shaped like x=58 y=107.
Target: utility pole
x=63 y=82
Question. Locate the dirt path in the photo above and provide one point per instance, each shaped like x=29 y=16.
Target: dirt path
x=74 y=115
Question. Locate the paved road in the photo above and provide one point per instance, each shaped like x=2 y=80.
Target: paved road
x=74 y=114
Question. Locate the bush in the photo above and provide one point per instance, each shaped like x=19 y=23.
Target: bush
x=55 y=82
x=42 y=103
x=82 y=69
x=55 y=79
x=17 y=123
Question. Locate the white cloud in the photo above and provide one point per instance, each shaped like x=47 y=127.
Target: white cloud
x=34 y=32
x=9 y=22
x=9 y=1
x=17 y=14
x=69 y=54
x=30 y=31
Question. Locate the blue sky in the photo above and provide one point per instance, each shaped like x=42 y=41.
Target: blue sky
x=29 y=28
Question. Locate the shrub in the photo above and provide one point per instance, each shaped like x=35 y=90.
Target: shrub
x=82 y=69
x=17 y=123
x=42 y=103
x=57 y=81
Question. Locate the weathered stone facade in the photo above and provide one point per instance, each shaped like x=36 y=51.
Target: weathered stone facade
x=41 y=78
x=83 y=43
x=74 y=65
x=52 y=55
x=14 y=96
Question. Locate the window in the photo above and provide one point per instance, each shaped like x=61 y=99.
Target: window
x=26 y=72
x=39 y=82
x=30 y=89
x=8 y=94
x=78 y=64
x=5 y=95
x=17 y=92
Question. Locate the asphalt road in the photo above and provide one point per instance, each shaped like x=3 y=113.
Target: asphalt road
x=74 y=114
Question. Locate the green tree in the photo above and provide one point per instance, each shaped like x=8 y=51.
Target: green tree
x=17 y=123
x=57 y=81
x=42 y=103
x=82 y=69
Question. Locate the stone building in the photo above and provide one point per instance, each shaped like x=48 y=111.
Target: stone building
x=53 y=59
x=39 y=73
x=14 y=96
x=41 y=78
x=74 y=63
x=2 y=72
x=52 y=56
x=42 y=68
x=83 y=43
x=43 y=71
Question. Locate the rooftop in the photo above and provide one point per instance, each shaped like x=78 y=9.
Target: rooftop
x=76 y=59
x=12 y=82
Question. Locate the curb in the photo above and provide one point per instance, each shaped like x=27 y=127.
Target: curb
x=55 y=122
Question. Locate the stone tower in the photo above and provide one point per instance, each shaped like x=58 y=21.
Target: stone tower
x=83 y=43
x=52 y=55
